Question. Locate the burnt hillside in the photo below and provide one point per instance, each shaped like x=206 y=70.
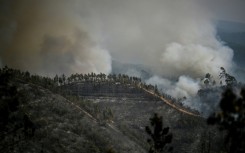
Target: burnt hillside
x=104 y=89
x=72 y=115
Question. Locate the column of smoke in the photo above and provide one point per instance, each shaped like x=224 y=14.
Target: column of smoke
x=176 y=40
x=49 y=37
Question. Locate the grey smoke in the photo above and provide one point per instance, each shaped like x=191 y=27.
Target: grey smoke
x=172 y=38
x=176 y=40
x=49 y=37
x=183 y=87
x=60 y=54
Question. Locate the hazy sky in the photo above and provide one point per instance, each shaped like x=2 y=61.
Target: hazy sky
x=171 y=37
x=232 y=10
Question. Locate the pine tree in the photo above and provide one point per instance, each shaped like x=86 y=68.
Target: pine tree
x=231 y=119
x=159 y=136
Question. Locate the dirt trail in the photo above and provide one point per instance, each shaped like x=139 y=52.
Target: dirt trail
x=170 y=103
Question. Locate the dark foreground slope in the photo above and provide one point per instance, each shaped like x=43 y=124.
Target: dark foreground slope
x=60 y=126
x=46 y=121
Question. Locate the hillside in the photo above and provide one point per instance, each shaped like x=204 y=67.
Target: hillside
x=58 y=118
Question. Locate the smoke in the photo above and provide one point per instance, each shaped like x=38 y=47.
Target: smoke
x=172 y=38
x=49 y=37
x=226 y=9
x=60 y=54
x=184 y=87
x=176 y=40
x=195 y=59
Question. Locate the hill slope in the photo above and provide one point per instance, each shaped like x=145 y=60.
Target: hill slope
x=46 y=121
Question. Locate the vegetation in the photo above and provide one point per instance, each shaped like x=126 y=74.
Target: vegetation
x=226 y=79
x=231 y=119
x=50 y=115
x=229 y=79
x=159 y=136
x=15 y=123
x=60 y=84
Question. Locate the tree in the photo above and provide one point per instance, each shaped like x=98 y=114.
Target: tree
x=14 y=123
x=229 y=79
x=159 y=136
x=60 y=80
x=27 y=75
x=231 y=118
x=63 y=78
x=206 y=82
x=56 y=79
x=156 y=90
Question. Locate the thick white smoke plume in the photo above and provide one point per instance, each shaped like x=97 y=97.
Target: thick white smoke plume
x=184 y=87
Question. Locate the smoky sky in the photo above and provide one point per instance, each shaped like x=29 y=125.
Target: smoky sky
x=170 y=37
x=49 y=37
x=226 y=9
